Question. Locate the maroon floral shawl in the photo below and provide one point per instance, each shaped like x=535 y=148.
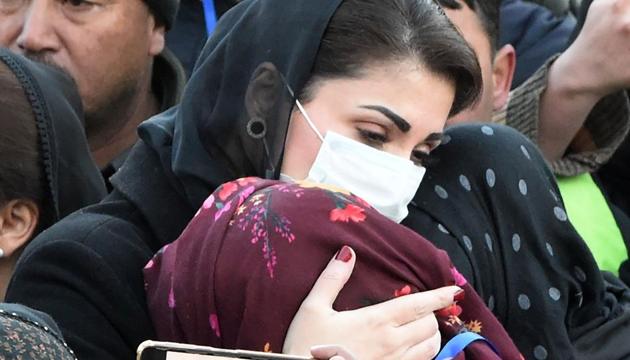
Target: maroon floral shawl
x=238 y=273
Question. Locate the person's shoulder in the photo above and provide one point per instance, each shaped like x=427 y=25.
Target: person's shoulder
x=107 y=230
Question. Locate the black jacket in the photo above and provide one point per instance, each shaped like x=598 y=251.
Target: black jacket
x=86 y=271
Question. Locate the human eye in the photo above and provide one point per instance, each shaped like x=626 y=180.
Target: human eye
x=79 y=5
x=422 y=156
x=10 y=6
x=372 y=138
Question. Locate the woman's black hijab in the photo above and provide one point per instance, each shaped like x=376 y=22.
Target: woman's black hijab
x=205 y=141
x=71 y=178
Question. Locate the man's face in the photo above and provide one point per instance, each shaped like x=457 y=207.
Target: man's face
x=105 y=45
x=469 y=24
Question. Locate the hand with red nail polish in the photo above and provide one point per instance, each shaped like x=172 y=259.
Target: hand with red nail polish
x=402 y=328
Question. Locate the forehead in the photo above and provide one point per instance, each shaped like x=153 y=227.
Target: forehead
x=471 y=27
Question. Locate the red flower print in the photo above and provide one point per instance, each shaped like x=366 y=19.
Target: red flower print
x=227 y=189
x=208 y=203
x=460 y=280
x=247 y=180
x=214 y=324
x=452 y=310
x=405 y=290
x=350 y=212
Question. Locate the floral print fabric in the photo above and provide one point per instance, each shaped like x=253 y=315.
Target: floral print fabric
x=23 y=338
x=238 y=273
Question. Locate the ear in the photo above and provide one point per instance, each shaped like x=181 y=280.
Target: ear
x=18 y=221
x=157 y=37
x=502 y=75
x=263 y=91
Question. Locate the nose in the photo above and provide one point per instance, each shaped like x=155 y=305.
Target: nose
x=38 y=33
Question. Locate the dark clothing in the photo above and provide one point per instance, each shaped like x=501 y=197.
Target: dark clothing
x=30 y=334
x=71 y=178
x=168 y=79
x=615 y=177
x=164 y=10
x=87 y=270
x=189 y=34
x=168 y=84
x=535 y=33
x=502 y=222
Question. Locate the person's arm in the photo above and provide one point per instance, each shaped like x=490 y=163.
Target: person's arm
x=573 y=133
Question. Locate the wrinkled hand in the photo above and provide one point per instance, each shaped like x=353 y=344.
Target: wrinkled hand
x=402 y=328
x=598 y=59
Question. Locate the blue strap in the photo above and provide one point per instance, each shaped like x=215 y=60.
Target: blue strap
x=210 y=14
x=459 y=343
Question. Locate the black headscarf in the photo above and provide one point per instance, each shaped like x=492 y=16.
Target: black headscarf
x=71 y=177
x=204 y=142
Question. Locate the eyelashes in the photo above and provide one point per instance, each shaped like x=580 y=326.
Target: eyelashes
x=372 y=138
x=377 y=140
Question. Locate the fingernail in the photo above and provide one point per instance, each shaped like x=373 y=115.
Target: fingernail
x=345 y=254
x=459 y=295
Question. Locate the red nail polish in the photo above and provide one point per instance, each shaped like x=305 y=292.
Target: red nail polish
x=459 y=295
x=344 y=254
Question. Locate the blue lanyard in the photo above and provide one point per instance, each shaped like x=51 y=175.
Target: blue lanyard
x=459 y=343
x=210 y=14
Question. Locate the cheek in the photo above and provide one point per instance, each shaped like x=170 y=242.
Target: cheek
x=301 y=148
x=93 y=58
x=10 y=30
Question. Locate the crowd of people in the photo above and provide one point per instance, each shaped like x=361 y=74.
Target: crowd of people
x=341 y=179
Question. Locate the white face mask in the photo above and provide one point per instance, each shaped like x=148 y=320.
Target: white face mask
x=385 y=181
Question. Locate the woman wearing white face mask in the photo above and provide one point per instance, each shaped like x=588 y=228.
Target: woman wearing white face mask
x=375 y=81
x=237 y=275
x=382 y=73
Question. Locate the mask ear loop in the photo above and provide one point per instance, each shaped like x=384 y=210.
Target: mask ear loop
x=303 y=111
x=308 y=120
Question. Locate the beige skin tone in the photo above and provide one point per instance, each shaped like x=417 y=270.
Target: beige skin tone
x=591 y=68
x=497 y=72
x=423 y=100
x=18 y=221
x=107 y=46
x=594 y=66
x=402 y=328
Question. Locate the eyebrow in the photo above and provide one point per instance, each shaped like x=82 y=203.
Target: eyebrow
x=400 y=123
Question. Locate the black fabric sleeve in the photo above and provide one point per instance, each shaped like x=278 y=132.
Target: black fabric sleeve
x=100 y=315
